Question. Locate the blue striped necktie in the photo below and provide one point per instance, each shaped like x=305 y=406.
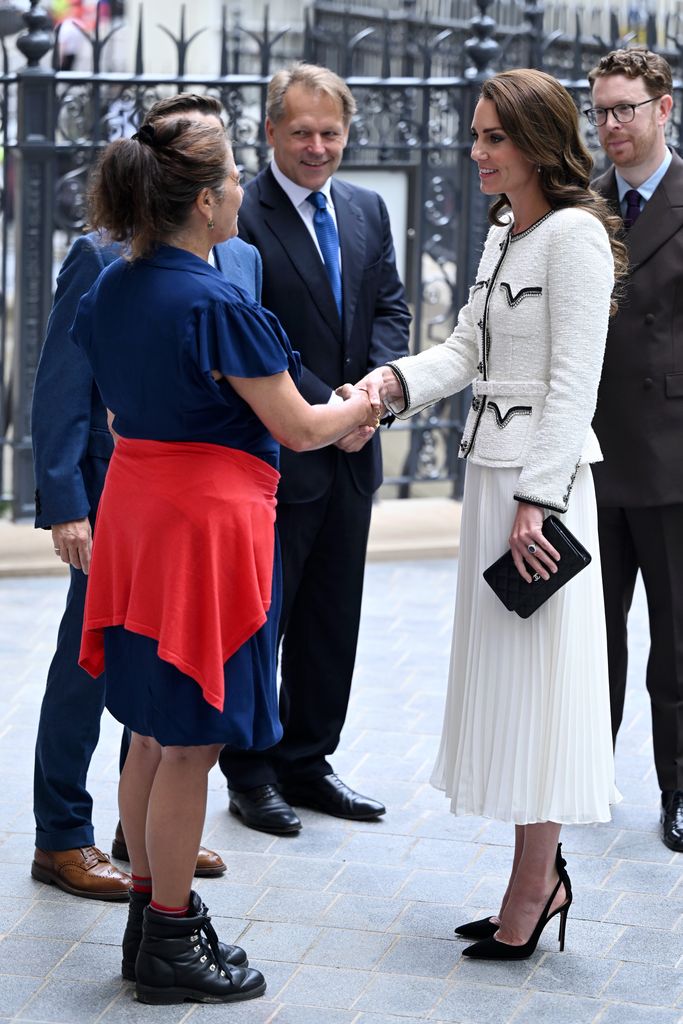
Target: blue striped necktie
x=328 y=240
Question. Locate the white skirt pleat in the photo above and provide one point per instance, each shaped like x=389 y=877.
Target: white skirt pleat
x=526 y=735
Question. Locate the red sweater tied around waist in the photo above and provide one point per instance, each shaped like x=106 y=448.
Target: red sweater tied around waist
x=183 y=553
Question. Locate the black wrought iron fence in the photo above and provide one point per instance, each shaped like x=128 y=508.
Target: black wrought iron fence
x=416 y=88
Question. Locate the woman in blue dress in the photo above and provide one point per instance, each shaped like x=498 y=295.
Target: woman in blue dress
x=184 y=587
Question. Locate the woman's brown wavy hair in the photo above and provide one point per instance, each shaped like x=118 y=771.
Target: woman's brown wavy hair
x=541 y=119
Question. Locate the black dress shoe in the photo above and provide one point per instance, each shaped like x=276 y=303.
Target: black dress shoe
x=672 y=820
x=330 y=795
x=264 y=809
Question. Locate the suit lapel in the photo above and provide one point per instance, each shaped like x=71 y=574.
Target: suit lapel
x=661 y=218
x=350 y=225
x=286 y=225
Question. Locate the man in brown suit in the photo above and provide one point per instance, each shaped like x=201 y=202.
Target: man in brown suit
x=639 y=416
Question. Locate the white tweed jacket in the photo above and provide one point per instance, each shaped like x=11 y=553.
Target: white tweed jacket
x=531 y=341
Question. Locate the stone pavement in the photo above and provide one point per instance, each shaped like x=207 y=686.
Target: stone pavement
x=352 y=923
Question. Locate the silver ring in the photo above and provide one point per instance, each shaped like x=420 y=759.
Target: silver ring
x=531 y=548
x=57 y=551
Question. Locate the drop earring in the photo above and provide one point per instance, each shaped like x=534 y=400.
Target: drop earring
x=209 y=223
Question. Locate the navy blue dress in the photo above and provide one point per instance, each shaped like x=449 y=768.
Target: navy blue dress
x=153 y=330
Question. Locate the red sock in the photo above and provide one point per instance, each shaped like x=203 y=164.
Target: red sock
x=141 y=884
x=169 y=911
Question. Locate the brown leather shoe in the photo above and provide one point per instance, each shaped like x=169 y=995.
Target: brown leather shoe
x=82 y=872
x=209 y=863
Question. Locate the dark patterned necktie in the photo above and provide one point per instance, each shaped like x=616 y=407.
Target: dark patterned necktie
x=632 y=207
x=328 y=240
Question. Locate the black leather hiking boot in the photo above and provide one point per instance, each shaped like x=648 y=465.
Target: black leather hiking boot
x=180 y=959
x=132 y=937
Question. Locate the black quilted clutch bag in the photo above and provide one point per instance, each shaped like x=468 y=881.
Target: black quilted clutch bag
x=524 y=598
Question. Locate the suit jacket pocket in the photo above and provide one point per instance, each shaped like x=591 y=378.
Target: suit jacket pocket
x=674 y=385
x=504 y=430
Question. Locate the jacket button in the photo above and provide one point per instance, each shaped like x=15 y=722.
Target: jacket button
x=347 y=361
x=647 y=383
x=475 y=404
x=649 y=318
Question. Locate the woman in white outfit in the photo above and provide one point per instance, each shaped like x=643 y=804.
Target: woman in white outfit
x=526 y=734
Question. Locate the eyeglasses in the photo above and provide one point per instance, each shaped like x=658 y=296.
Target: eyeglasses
x=236 y=177
x=624 y=113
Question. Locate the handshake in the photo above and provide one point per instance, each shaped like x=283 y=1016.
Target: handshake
x=378 y=388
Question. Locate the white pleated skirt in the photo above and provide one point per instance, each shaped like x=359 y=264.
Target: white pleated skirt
x=526 y=734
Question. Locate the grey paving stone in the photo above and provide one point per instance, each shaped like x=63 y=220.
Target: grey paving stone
x=15 y=992
x=381 y=1018
x=645 y=846
x=514 y=974
x=91 y=962
x=648 y=911
x=277 y=975
x=53 y=919
x=70 y=1002
x=428 y=958
x=12 y=911
x=231 y=899
x=287 y=873
x=591 y=872
x=430 y=919
x=442 y=854
x=229 y=834
x=109 y=926
x=548 y=1008
x=368 y=912
x=579 y=975
x=378 y=849
x=325 y=986
x=627 y=1013
x=636 y=816
x=592 y=904
x=477 y=1004
x=309 y=842
x=401 y=995
x=342 y=947
x=437 y=887
x=313 y=1015
x=255 y=1011
x=442 y=824
x=585 y=938
x=276 y=941
x=126 y=1010
x=591 y=840
x=26 y=956
x=633 y=876
x=244 y=868
x=642 y=983
x=648 y=946
x=287 y=905
x=369 y=880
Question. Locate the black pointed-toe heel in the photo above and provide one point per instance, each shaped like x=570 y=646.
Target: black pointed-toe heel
x=494 y=949
x=482 y=929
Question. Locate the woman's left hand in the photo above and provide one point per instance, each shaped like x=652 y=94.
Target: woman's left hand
x=530 y=549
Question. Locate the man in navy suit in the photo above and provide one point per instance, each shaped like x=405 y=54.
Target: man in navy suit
x=72 y=448
x=329 y=274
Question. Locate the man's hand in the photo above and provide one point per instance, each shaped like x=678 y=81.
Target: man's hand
x=355 y=440
x=73 y=543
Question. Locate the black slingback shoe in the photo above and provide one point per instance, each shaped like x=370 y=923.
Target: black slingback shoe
x=484 y=928
x=493 y=949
